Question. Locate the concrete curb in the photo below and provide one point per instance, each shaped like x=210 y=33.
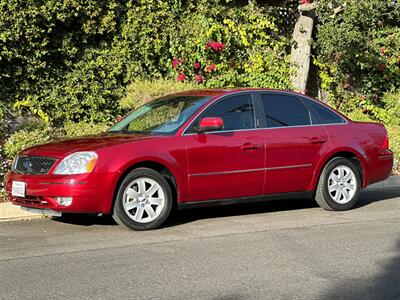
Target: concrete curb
x=10 y=212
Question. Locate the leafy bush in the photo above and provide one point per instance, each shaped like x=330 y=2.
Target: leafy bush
x=231 y=46
x=394 y=140
x=71 y=60
x=358 y=50
x=140 y=92
x=82 y=128
x=391 y=104
x=24 y=139
x=53 y=57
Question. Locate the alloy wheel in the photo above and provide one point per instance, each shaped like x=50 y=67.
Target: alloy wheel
x=342 y=184
x=143 y=200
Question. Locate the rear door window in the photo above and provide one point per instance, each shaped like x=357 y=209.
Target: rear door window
x=282 y=110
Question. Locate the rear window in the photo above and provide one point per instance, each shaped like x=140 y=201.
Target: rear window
x=323 y=115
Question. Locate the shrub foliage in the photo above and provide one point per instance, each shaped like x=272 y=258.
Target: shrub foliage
x=71 y=60
x=358 y=53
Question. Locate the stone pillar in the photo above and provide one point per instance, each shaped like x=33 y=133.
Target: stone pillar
x=301 y=49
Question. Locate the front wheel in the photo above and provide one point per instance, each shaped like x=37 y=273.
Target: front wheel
x=339 y=185
x=144 y=200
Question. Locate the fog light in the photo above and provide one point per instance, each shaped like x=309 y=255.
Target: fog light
x=64 y=201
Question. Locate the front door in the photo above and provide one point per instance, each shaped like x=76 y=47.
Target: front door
x=229 y=163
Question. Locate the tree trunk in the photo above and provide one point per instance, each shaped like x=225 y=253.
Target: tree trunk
x=301 y=49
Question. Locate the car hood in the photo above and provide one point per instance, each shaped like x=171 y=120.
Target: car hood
x=61 y=148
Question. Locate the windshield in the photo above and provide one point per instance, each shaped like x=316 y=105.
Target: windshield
x=162 y=116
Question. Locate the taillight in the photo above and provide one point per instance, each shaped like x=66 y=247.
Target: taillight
x=385 y=144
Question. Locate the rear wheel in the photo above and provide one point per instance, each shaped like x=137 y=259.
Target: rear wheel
x=144 y=200
x=339 y=185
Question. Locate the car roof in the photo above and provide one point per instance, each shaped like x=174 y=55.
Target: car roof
x=217 y=92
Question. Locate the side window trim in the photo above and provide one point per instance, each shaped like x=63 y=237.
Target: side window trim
x=211 y=105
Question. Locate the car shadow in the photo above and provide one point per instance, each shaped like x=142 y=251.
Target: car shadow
x=85 y=219
x=191 y=215
x=269 y=206
x=370 y=196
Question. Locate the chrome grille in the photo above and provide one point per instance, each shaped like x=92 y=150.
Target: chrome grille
x=33 y=164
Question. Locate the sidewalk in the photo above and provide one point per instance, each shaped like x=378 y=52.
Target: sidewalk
x=10 y=212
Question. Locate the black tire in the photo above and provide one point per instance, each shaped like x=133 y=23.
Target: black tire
x=121 y=216
x=322 y=195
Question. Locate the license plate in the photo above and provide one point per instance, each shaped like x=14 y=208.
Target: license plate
x=18 y=189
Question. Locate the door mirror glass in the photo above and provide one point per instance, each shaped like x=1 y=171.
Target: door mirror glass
x=210 y=124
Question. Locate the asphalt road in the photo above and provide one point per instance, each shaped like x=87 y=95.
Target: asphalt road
x=287 y=249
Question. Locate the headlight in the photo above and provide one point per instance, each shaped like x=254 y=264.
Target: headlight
x=14 y=164
x=77 y=163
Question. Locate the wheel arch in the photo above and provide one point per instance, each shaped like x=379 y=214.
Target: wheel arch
x=351 y=154
x=158 y=166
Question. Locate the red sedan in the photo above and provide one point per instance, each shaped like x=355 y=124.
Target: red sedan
x=206 y=147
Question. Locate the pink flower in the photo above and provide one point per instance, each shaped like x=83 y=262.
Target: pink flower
x=305 y=1
x=176 y=62
x=303 y=92
x=196 y=65
x=381 y=67
x=181 y=77
x=199 y=78
x=211 y=68
x=215 y=46
x=346 y=85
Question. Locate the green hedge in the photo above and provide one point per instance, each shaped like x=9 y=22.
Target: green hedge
x=357 y=50
x=71 y=60
x=140 y=92
x=25 y=138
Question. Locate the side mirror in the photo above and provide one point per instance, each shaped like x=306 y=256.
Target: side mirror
x=210 y=124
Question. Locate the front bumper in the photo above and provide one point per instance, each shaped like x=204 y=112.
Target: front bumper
x=91 y=193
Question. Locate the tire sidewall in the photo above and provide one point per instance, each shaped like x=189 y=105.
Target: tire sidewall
x=119 y=211
x=325 y=177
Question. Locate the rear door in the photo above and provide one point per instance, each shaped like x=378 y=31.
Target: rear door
x=293 y=145
x=228 y=163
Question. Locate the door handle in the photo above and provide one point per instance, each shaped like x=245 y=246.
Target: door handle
x=249 y=147
x=317 y=140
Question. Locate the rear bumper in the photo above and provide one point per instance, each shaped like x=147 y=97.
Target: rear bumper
x=380 y=168
x=91 y=193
